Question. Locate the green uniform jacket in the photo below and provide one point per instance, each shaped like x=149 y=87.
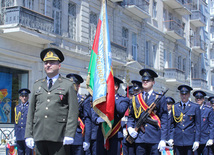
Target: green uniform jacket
x=52 y=114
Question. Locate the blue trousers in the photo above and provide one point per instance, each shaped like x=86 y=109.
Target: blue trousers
x=147 y=149
x=22 y=148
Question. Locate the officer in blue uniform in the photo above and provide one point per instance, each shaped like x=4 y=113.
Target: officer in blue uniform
x=21 y=111
x=186 y=124
x=170 y=101
x=128 y=149
x=83 y=133
x=211 y=100
x=207 y=124
x=152 y=141
x=121 y=105
x=137 y=86
x=94 y=128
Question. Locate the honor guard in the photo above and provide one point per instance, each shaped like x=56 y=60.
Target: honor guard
x=83 y=134
x=115 y=138
x=186 y=124
x=170 y=101
x=128 y=149
x=207 y=124
x=21 y=111
x=53 y=110
x=150 y=138
x=211 y=99
x=137 y=86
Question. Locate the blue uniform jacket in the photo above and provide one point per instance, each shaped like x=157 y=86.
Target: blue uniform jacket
x=186 y=132
x=169 y=125
x=121 y=105
x=207 y=124
x=95 y=126
x=153 y=134
x=20 y=127
x=85 y=115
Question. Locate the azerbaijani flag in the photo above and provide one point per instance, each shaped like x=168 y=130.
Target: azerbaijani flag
x=100 y=80
x=167 y=151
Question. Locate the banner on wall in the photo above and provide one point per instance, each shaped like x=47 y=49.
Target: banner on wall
x=5 y=97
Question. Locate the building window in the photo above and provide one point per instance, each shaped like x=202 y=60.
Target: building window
x=179 y=62
x=56 y=15
x=92 y=26
x=7 y=3
x=147 y=56
x=165 y=58
x=154 y=54
x=154 y=13
x=72 y=20
x=11 y=81
x=170 y=60
x=28 y=4
x=184 y=64
x=134 y=46
x=125 y=36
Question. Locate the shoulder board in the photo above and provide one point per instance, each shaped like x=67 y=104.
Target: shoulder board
x=194 y=103
x=207 y=106
x=137 y=93
x=39 y=80
x=68 y=79
x=177 y=103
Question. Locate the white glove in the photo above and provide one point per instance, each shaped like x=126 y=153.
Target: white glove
x=125 y=133
x=29 y=142
x=68 y=140
x=86 y=146
x=100 y=120
x=170 y=142
x=195 y=146
x=132 y=132
x=209 y=142
x=161 y=145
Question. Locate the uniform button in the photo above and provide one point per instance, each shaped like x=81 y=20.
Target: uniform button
x=183 y=124
x=21 y=123
x=48 y=100
x=184 y=115
x=183 y=120
x=21 y=118
x=46 y=116
x=21 y=127
x=183 y=130
x=46 y=108
x=49 y=93
x=146 y=125
x=63 y=119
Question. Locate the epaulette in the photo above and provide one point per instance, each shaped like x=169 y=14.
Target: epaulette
x=177 y=103
x=137 y=93
x=208 y=106
x=39 y=80
x=69 y=79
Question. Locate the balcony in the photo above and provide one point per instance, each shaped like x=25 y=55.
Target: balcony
x=24 y=24
x=174 y=29
x=118 y=52
x=197 y=18
x=182 y=7
x=198 y=45
x=139 y=8
x=199 y=84
x=174 y=75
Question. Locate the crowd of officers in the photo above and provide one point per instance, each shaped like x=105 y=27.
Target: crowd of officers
x=58 y=120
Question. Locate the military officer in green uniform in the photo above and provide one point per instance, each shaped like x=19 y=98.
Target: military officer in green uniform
x=53 y=110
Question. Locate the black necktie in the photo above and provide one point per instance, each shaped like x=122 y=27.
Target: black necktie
x=146 y=98
x=184 y=106
x=50 y=83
